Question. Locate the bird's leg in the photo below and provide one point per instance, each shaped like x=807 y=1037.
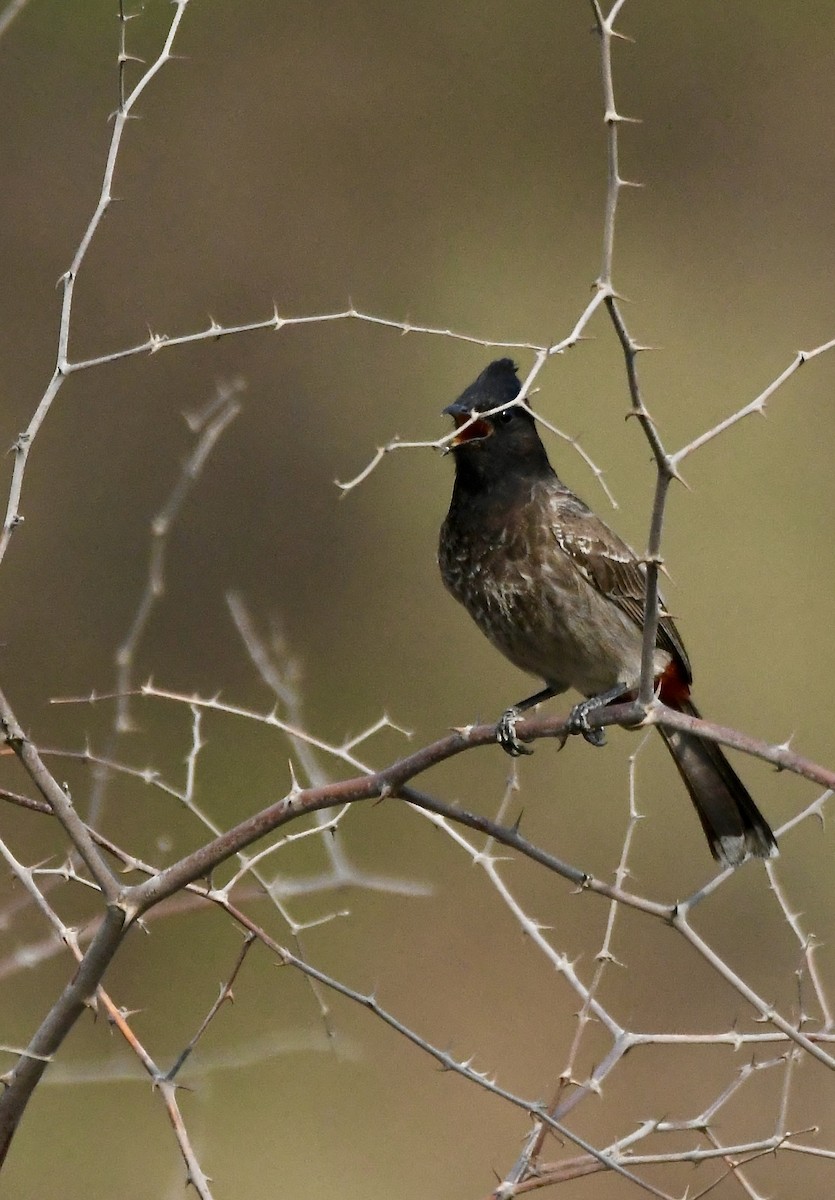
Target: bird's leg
x=506 y=728
x=578 y=718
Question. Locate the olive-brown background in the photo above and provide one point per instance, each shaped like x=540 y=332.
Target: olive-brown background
x=443 y=164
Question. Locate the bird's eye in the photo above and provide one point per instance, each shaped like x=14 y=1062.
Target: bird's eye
x=505 y=416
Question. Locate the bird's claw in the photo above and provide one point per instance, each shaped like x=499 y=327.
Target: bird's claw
x=578 y=722
x=506 y=734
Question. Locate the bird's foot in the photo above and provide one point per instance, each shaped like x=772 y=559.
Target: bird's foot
x=578 y=722
x=506 y=734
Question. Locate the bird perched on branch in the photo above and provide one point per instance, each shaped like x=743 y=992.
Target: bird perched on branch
x=561 y=596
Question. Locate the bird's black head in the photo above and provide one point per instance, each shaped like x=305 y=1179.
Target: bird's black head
x=500 y=444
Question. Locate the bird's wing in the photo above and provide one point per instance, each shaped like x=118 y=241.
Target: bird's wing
x=612 y=568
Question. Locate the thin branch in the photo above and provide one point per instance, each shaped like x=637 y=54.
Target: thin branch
x=224 y=995
x=757 y=405
x=58 y=798
x=23 y=446
x=223 y=409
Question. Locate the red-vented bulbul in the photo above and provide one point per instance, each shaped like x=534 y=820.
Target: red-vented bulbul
x=562 y=597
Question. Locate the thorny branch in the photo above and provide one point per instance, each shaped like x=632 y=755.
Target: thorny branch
x=124 y=904
x=138 y=898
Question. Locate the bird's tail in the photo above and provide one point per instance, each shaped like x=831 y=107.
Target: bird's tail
x=734 y=826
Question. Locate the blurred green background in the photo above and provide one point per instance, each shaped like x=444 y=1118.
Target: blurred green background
x=443 y=164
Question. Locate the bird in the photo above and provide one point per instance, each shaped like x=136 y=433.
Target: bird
x=563 y=597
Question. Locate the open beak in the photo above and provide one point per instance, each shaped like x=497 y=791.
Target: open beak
x=470 y=427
